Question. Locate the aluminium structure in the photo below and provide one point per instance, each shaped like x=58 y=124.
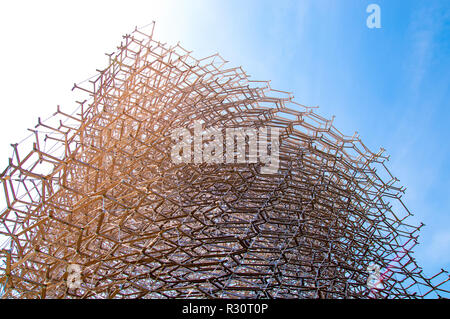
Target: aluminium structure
x=98 y=189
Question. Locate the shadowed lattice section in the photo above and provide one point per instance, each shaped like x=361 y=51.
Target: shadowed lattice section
x=99 y=189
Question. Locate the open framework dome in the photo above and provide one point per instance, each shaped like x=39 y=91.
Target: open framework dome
x=99 y=190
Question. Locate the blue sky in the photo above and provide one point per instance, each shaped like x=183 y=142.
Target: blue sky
x=389 y=84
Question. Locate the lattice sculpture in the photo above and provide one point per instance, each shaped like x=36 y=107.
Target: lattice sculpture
x=99 y=194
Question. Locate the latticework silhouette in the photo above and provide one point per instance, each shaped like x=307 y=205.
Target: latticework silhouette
x=99 y=189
